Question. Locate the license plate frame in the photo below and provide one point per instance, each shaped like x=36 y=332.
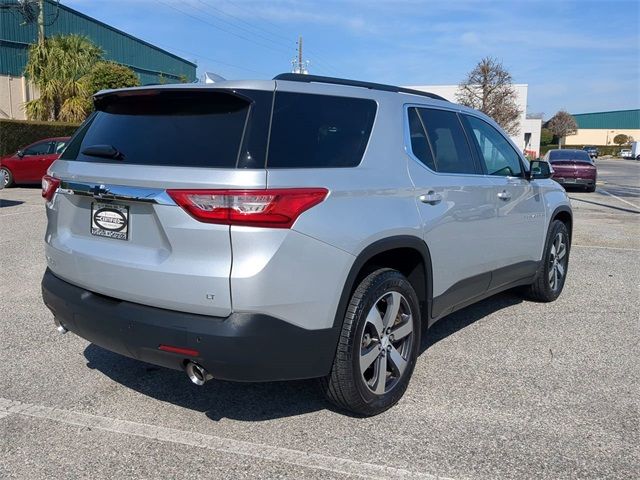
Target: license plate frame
x=110 y=220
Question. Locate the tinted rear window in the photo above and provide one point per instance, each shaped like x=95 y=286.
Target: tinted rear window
x=314 y=131
x=576 y=155
x=169 y=128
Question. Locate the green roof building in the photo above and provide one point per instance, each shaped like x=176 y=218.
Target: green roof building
x=600 y=128
x=151 y=63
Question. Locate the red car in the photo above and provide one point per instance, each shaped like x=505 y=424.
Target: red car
x=30 y=164
x=573 y=168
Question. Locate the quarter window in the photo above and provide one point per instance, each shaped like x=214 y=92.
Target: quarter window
x=419 y=143
x=496 y=152
x=448 y=142
x=315 y=131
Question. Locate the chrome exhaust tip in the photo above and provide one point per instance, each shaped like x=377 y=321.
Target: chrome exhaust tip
x=197 y=373
x=61 y=328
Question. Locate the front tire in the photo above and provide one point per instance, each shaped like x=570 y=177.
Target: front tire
x=549 y=282
x=378 y=345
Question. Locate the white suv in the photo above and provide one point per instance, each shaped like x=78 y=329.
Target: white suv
x=295 y=228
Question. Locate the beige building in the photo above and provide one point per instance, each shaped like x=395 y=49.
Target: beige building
x=600 y=128
x=527 y=139
x=14 y=93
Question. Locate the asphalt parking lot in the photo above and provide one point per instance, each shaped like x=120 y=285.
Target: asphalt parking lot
x=503 y=389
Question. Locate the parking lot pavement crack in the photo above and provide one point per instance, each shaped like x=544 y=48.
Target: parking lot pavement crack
x=220 y=444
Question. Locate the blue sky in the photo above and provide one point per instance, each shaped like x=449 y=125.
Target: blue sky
x=582 y=56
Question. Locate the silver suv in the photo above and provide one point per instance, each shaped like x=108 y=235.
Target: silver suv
x=295 y=228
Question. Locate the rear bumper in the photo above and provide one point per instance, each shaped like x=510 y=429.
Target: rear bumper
x=241 y=347
x=575 y=181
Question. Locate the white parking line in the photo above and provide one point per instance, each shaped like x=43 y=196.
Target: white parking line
x=618 y=198
x=219 y=444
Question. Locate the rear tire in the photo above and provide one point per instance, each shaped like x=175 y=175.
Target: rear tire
x=552 y=274
x=378 y=345
x=6 y=176
x=591 y=188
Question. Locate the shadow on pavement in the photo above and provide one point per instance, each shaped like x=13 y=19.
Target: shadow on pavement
x=10 y=203
x=467 y=316
x=257 y=401
x=622 y=209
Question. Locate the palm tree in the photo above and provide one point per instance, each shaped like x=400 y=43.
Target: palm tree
x=57 y=67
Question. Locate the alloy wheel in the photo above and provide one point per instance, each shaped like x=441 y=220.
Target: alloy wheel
x=386 y=343
x=557 y=261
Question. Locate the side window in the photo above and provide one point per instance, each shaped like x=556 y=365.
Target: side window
x=41 y=148
x=419 y=143
x=498 y=155
x=60 y=147
x=316 y=131
x=448 y=141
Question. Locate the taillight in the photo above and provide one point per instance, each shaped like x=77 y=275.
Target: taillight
x=275 y=208
x=49 y=187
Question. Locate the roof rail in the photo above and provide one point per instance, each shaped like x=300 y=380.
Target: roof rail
x=299 y=77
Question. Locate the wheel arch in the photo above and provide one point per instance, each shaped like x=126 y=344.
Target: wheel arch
x=565 y=215
x=408 y=254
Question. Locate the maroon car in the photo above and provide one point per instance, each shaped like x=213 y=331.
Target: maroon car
x=30 y=164
x=573 y=168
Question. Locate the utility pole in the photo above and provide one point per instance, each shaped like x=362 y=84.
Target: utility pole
x=41 y=22
x=299 y=65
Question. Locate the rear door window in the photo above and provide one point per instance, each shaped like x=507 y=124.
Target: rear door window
x=167 y=128
x=316 y=131
x=448 y=142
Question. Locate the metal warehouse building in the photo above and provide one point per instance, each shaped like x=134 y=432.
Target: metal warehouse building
x=600 y=128
x=151 y=63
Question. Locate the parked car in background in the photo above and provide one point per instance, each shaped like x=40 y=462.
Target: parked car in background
x=625 y=153
x=635 y=150
x=30 y=164
x=573 y=168
x=591 y=150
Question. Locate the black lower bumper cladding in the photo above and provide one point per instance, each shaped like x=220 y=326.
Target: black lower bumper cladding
x=242 y=347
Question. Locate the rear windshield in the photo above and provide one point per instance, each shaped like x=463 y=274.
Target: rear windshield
x=319 y=131
x=576 y=155
x=168 y=128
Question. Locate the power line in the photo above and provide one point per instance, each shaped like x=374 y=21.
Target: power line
x=168 y=47
x=320 y=60
x=277 y=42
x=218 y=27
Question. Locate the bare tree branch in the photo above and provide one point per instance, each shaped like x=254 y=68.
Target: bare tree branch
x=489 y=88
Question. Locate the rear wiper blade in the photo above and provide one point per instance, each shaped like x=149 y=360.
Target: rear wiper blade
x=105 y=151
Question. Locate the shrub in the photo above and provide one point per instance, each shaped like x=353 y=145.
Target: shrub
x=15 y=134
x=109 y=75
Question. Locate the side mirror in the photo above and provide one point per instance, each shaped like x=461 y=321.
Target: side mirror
x=20 y=153
x=540 y=170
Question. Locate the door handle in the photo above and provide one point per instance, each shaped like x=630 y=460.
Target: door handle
x=504 y=195
x=431 y=197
